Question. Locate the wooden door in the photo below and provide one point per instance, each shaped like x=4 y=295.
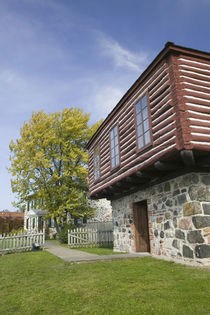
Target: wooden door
x=141 y=226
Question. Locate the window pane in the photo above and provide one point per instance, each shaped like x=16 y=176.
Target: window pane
x=112 y=143
x=147 y=137
x=96 y=174
x=145 y=113
x=146 y=125
x=140 y=142
x=116 y=160
x=140 y=130
x=112 y=153
x=96 y=158
x=143 y=123
x=115 y=131
x=137 y=108
x=138 y=119
x=113 y=162
x=115 y=143
x=144 y=101
x=96 y=163
x=114 y=147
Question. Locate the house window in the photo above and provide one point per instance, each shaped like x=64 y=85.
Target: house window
x=33 y=222
x=142 y=123
x=52 y=222
x=96 y=164
x=114 y=147
x=40 y=223
x=27 y=224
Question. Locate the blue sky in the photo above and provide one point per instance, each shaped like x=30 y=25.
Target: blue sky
x=84 y=53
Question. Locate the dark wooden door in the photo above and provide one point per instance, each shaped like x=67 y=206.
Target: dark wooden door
x=141 y=226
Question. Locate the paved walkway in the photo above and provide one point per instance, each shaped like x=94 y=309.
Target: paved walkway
x=72 y=255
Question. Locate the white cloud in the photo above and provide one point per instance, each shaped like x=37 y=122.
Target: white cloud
x=106 y=98
x=121 y=57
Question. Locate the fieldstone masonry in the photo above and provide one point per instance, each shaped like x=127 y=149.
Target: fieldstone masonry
x=178 y=219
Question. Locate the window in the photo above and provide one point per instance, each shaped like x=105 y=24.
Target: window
x=40 y=223
x=96 y=164
x=142 y=123
x=114 y=147
x=52 y=223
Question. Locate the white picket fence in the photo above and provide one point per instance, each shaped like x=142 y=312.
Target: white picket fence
x=83 y=237
x=21 y=241
x=100 y=226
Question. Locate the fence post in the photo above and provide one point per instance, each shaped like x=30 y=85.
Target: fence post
x=43 y=235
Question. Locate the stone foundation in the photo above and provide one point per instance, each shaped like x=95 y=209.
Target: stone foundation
x=178 y=219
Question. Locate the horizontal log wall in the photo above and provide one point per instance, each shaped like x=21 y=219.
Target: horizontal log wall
x=163 y=127
x=179 y=100
x=194 y=76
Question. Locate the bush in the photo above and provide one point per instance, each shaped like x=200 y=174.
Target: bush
x=63 y=235
x=10 y=224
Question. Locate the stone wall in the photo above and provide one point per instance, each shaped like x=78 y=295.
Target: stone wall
x=103 y=210
x=178 y=218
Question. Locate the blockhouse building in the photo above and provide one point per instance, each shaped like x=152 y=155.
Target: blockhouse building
x=151 y=158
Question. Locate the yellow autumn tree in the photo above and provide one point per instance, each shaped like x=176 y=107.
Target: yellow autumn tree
x=49 y=162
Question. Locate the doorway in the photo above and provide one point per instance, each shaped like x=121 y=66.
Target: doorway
x=140 y=217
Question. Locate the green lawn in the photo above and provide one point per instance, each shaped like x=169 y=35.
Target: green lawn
x=39 y=283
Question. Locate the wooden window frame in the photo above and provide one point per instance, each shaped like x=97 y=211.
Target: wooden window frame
x=145 y=146
x=116 y=166
x=94 y=164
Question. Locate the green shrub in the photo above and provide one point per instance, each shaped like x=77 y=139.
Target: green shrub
x=19 y=231
x=63 y=235
x=10 y=224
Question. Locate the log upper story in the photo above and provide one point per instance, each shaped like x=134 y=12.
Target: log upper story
x=160 y=126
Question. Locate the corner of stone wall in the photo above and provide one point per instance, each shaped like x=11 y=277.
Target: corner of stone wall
x=178 y=219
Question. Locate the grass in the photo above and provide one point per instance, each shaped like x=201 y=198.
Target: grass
x=40 y=283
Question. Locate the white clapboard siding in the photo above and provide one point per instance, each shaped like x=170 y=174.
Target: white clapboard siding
x=83 y=237
x=21 y=241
